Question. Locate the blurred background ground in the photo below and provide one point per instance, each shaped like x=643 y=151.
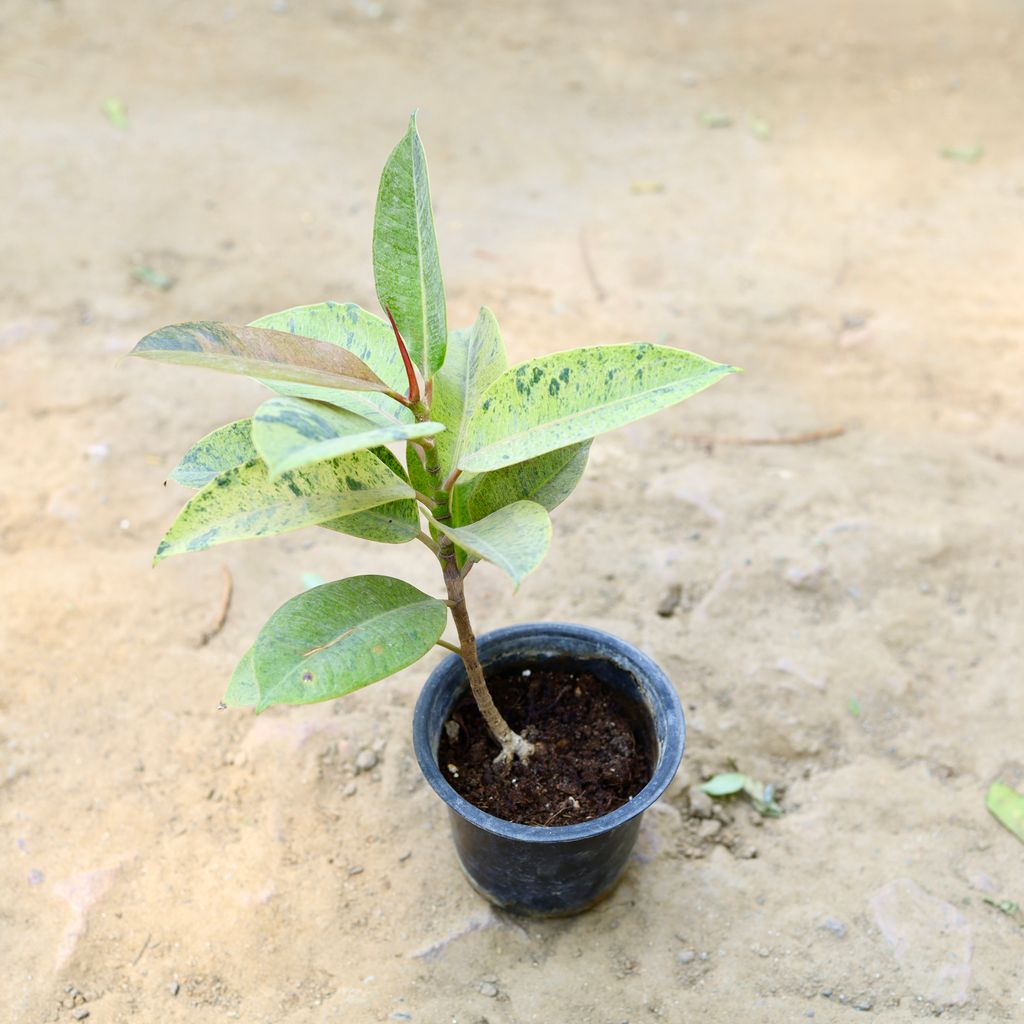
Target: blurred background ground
x=830 y=195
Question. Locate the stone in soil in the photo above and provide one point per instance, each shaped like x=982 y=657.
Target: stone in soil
x=930 y=939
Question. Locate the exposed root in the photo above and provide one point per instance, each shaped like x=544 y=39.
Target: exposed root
x=514 y=746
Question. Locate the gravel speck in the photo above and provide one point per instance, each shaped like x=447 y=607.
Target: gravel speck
x=366 y=760
x=80 y=1014
x=489 y=989
x=835 y=926
x=686 y=956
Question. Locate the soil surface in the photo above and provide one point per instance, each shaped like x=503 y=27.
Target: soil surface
x=830 y=195
x=589 y=759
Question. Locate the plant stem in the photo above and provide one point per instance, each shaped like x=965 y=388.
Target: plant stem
x=512 y=744
x=449 y=647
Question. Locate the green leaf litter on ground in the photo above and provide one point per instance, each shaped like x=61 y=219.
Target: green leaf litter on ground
x=1008 y=907
x=965 y=154
x=1007 y=807
x=725 y=784
x=715 y=119
x=853 y=706
x=761 y=795
x=151 y=276
x=114 y=111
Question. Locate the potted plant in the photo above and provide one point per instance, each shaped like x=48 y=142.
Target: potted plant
x=568 y=732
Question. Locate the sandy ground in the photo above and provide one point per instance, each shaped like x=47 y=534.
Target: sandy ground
x=164 y=861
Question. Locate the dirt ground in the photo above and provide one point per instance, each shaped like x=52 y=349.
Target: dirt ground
x=761 y=182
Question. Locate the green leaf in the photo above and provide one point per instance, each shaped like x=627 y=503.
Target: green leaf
x=242 y=690
x=290 y=433
x=367 y=337
x=547 y=479
x=559 y=399
x=220 y=450
x=254 y=352
x=406 y=267
x=725 y=784
x=244 y=502
x=515 y=538
x=475 y=359
x=1007 y=806
x=339 y=637
x=397 y=522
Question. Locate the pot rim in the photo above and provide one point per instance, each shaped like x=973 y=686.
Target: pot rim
x=670 y=752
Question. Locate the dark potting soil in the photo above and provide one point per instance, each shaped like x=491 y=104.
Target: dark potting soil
x=589 y=756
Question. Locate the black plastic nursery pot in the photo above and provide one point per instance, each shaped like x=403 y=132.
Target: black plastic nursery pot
x=559 y=870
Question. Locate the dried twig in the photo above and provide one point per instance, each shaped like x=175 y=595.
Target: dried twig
x=599 y=293
x=222 y=614
x=807 y=438
x=145 y=946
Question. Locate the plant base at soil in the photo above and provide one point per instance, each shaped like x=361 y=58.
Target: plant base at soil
x=589 y=759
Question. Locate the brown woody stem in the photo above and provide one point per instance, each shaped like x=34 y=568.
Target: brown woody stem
x=512 y=744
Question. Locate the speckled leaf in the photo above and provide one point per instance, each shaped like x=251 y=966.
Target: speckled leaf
x=547 y=479
x=405 y=261
x=397 y=522
x=290 y=433
x=515 y=538
x=227 y=446
x=559 y=399
x=254 y=352
x=341 y=636
x=418 y=475
x=1007 y=806
x=476 y=358
x=242 y=690
x=364 y=335
x=243 y=502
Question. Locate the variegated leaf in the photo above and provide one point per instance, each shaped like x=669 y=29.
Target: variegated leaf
x=557 y=400
x=291 y=433
x=255 y=352
x=406 y=266
x=244 y=502
x=367 y=337
x=220 y=450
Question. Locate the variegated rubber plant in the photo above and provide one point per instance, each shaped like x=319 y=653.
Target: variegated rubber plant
x=489 y=451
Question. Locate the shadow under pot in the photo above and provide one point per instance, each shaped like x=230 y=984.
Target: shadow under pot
x=560 y=870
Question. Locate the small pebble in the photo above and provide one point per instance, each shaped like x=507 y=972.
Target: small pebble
x=686 y=956
x=366 y=760
x=864 y=1005
x=80 y=1014
x=174 y=988
x=835 y=926
x=355 y=870
x=702 y=956
x=700 y=804
x=488 y=989
x=405 y=856
x=401 y=1015
x=36 y=877
x=349 y=790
